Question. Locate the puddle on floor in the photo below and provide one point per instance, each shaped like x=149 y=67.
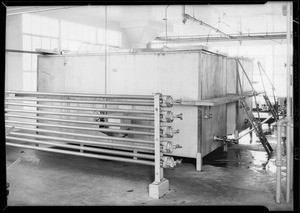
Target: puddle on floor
x=243 y=158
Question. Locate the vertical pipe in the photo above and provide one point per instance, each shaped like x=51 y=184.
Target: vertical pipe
x=278 y=163
x=158 y=170
x=291 y=95
x=166 y=20
x=288 y=111
x=183 y=14
x=105 y=63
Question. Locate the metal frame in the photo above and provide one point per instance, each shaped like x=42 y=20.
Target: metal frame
x=118 y=148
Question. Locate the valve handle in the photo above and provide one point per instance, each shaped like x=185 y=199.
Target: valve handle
x=177 y=146
x=176 y=131
x=179 y=116
x=178 y=101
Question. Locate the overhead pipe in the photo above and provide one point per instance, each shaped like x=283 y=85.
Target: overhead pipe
x=85 y=135
x=81 y=121
x=199 y=39
x=144 y=162
x=107 y=151
x=82 y=115
x=147 y=97
x=82 y=108
x=187 y=16
x=139 y=103
x=80 y=141
x=82 y=128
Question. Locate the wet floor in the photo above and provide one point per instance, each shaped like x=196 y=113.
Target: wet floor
x=235 y=178
x=249 y=159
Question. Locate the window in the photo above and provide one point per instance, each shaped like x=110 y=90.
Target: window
x=78 y=37
x=40 y=32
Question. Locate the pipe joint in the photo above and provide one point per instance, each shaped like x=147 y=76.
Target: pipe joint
x=278 y=163
x=169 y=162
x=169 y=116
x=168 y=147
x=169 y=131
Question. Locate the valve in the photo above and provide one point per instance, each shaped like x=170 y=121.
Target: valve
x=168 y=101
x=169 y=116
x=208 y=115
x=169 y=162
x=168 y=131
x=168 y=147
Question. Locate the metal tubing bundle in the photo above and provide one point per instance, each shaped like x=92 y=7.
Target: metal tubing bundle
x=125 y=128
x=107 y=126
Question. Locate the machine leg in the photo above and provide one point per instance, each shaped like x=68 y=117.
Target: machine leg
x=198 y=162
x=236 y=134
x=135 y=151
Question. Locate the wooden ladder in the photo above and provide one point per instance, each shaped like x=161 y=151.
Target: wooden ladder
x=257 y=128
x=272 y=109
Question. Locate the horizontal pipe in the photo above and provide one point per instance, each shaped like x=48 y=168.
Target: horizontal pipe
x=140 y=103
x=84 y=135
x=215 y=38
x=81 y=115
x=144 y=162
x=81 y=128
x=148 y=97
x=85 y=142
x=81 y=108
x=80 y=121
x=107 y=151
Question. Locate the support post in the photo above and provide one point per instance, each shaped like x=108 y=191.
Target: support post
x=160 y=186
x=278 y=164
x=198 y=162
x=288 y=111
x=236 y=135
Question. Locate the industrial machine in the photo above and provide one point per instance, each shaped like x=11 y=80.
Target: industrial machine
x=206 y=82
x=107 y=107
x=68 y=123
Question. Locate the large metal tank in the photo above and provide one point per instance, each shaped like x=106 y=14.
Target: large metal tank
x=197 y=77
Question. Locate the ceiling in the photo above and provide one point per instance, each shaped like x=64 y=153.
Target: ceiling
x=230 y=19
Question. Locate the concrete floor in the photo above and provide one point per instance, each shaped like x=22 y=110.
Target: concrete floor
x=46 y=179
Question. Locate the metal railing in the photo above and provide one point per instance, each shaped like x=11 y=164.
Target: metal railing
x=125 y=128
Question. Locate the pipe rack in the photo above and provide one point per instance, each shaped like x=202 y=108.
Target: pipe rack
x=100 y=132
